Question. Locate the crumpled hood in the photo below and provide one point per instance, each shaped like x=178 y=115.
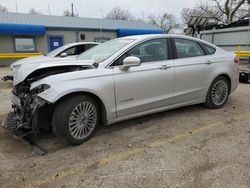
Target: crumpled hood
x=21 y=72
x=36 y=59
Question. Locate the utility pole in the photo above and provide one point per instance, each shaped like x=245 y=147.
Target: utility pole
x=16 y=8
x=72 y=9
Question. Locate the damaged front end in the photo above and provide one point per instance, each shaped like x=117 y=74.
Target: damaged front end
x=31 y=113
x=27 y=106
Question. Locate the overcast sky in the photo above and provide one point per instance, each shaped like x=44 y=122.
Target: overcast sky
x=99 y=8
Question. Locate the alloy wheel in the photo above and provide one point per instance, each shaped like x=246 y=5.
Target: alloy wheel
x=219 y=92
x=82 y=120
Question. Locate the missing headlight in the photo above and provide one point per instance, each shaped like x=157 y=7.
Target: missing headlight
x=40 y=88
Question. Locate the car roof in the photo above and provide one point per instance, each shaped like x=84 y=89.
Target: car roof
x=140 y=37
x=152 y=36
x=79 y=43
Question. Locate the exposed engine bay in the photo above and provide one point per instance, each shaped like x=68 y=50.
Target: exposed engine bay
x=32 y=113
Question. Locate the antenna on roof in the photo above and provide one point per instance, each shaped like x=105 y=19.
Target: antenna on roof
x=101 y=13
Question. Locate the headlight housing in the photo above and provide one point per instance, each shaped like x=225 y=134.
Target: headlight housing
x=41 y=88
x=15 y=67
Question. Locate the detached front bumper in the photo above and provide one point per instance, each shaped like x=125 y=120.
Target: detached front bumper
x=10 y=122
x=30 y=115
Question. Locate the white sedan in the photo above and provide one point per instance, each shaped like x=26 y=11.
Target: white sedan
x=121 y=79
x=69 y=51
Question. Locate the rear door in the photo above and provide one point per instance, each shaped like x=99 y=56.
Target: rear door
x=192 y=68
x=148 y=86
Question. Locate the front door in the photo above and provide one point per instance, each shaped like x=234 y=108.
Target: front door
x=148 y=86
x=55 y=42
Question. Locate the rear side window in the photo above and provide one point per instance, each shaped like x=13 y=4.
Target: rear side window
x=187 y=48
x=210 y=50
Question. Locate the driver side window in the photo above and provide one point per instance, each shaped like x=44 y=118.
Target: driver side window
x=149 y=51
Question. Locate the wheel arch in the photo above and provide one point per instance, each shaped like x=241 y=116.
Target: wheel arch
x=101 y=105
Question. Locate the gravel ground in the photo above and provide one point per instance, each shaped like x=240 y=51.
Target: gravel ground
x=187 y=147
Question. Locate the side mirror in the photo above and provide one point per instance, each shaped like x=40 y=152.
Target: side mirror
x=64 y=54
x=130 y=61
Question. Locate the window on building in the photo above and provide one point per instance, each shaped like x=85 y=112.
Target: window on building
x=187 y=48
x=24 y=44
x=82 y=36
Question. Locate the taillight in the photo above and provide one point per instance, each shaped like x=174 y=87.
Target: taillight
x=236 y=60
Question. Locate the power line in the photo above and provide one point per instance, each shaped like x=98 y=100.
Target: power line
x=49 y=10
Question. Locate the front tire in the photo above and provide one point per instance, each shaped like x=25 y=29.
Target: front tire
x=218 y=93
x=76 y=119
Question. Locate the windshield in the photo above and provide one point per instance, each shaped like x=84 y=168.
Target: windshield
x=57 y=50
x=105 y=50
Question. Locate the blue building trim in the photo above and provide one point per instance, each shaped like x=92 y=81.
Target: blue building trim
x=79 y=29
x=21 y=29
x=122 y=32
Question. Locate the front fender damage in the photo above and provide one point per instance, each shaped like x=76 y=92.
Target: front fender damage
x=32 y=114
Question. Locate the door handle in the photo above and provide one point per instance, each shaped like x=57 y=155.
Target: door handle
x=165 y=67
x=208 y=62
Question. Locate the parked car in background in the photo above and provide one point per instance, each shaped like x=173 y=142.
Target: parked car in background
x=69 y=51
x=121 y=79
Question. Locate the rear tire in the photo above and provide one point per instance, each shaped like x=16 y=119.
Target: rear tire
x=218 y=93
x=76 y=119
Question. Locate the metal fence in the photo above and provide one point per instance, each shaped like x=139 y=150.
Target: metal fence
x=229 y=38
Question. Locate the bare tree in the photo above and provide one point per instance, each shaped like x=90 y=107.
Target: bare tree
x=244 y=10
x=166 y=22
x=33 y=11
x=219 y=10
x=119 y=14
x=229 y=7
x=225 y=10
x=3 y=9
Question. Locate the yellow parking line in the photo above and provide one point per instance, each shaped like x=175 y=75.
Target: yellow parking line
x=130 y=152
